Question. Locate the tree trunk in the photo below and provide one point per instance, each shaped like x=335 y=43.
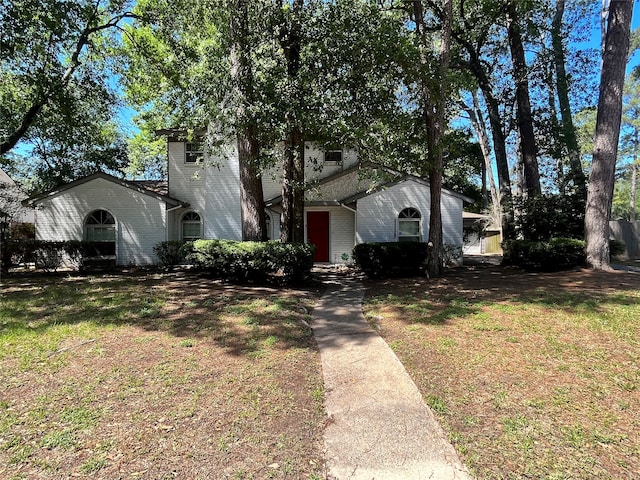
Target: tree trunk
x=432 y=103
x=292 y=218
x=528 y=148
x=499 y=143
x=254 y=227
x=481 y=132
x=632 y=196
x=605 y=147
x=576 y=174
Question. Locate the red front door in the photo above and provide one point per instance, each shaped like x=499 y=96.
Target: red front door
x=318 y=234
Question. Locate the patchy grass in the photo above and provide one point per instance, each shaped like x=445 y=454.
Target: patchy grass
x=157 y=376
x=532 y=375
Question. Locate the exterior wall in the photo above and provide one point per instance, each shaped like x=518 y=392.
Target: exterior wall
x=341 y=231
x=342 y=187
x=378 y=213
x=140 y=219
x=212 y=189
x=314 y=162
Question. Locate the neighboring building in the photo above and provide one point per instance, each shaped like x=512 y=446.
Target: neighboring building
x=348 y=203
x=11 y=197
x=480 y=236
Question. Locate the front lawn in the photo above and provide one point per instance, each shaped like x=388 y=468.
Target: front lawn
x=532 y=375
x=157 y=376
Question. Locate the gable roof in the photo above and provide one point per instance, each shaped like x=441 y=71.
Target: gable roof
x=405 y=178
x=397 y=178
x=136 y=186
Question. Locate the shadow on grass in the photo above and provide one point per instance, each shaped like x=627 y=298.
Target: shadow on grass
x=464 y=292
x=242 y=319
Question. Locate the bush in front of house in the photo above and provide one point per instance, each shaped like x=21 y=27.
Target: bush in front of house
x=385 y=259
x=51 y=255
x=172 y=252
x=252 y=261
x=547 y=256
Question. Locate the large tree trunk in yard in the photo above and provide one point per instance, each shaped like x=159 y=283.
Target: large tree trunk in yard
x=433 y=111
x=605 y=147
x=528 y=148
x=576 y=174
x=292 y=220
x=254 y=227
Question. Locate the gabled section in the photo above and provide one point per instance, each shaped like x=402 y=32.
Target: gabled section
x=136 y=186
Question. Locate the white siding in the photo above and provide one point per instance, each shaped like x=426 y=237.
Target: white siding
x=140 y=219
x=212 y=190
x=341 y=231
x=378 y=213
x=314 y=162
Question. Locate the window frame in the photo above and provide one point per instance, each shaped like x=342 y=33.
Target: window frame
x=106 y=221
x=193 y=156
x=413 y=216
x=184 y=221
x=327 y=160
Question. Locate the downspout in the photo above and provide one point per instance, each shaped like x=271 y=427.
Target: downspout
x=169 y=210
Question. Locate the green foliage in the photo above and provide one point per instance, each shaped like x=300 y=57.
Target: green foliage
x=55 y=79
x=385 y=259
x=172 y=252
x=50 y=255
x=547 y=256
x=616 y=248
x=547 y=216
x=253 y=261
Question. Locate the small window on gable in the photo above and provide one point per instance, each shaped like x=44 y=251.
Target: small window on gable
x=409 y=225
x=194 y=152
x=333 y=157
x=191 y=227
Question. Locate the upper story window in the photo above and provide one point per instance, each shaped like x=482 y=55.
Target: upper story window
x=194 y=152
x=333 y=157
x=409 y=225
x=191 y=227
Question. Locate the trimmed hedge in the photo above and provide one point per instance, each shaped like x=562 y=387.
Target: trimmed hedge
x=547 y=256
x=49 y=255
x=252 y=261
x=172 y=252
x=384 y=259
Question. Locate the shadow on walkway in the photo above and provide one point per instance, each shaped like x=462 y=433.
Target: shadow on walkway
x=379 y=426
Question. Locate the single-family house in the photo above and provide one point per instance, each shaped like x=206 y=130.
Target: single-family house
x=347 y=203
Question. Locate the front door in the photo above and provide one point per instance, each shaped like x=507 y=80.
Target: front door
x=318 y=234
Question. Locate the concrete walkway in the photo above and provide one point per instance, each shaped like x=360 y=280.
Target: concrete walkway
x=379 y=427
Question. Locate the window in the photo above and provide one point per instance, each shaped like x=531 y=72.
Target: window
x=194 y=152
x=100 y=226
x=191 y=226
x=409 y=225
x=333 y=157
x=268 y=222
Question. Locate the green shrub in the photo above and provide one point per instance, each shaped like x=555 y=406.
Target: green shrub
x=252 y=261
x=386 y=259
x=616 y=248
x=552 y=255
x=542 y=217
x=172 y=252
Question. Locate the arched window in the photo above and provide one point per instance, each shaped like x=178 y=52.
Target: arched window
x=100 y=226
x=191 y=226
x=409 y=225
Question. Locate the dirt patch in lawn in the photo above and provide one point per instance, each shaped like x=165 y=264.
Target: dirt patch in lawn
x=157 y=376
x=532 y=375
